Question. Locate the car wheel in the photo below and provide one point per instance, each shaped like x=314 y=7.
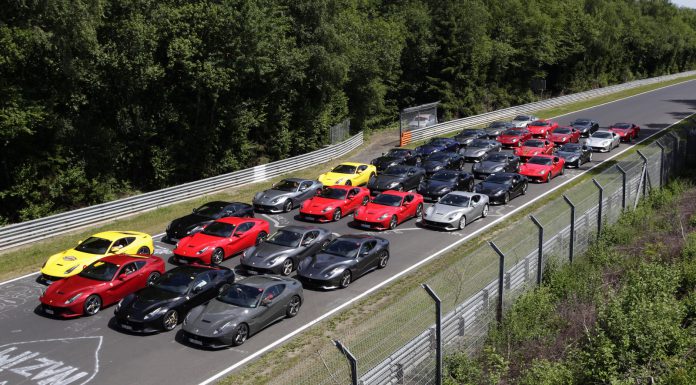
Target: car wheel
x=337 y=215
x=524 y=188
x=470 y=186
x=548 y=177
x=170 y=320
x=462 y=222
x=92 y=305
x=485 y=211
x=223 y=288
x=589 y=158
x=349 y=183
x=287 y=207
x=383 y=259
x=287 y=267
x=217 y=257
x=345 y=279
x=293 y=306
x=144 y=250
x=393 y=222
x=419 y=211
x=419 y=159
x=506 y=200
x=562 y=170
x=261 y=237
x=240 y=334
x=154 y=276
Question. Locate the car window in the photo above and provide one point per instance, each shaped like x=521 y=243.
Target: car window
x=305 y=185
x=123 y=242
x=128 y=269
x=310 y=237
x=273 y=291
x=140 y=264
x=367 y=247
x=202 y=280
x=362 y=168
x=246 y=226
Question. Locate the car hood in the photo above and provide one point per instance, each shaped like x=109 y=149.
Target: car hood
x=494 y=131
x=323 y=263
x=474 y=151
x=57 y=264
x=533 y=169
x=64 y=289
x=567 y=154
x=266 y=251
x=150 y=298
x=373 y=211
x=385 y=161
x=266 y=197
x=215 y=315
x=597 y=141
x=188 y=246
x=560 y=137
x=535 y=129
x=189 y=221
x=489 y=188
x=428 y=149
x=332 y=178
x=443 y=212
x=432 y=166
x=488 y=166
x=620 y=131
x=508 y=138
x=520 y=123
x=528 y=151
x=382 y=181
x=318 y=203
x=434 y=186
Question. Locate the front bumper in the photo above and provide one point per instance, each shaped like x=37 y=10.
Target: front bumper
x=272 y=208
x=600 y=149
x=69 y=311
x=46 y=279
x=139 y=326
x=204 y=260
x=317 y=217
x=327 y=283
x=380 y=225
x=208 y=342
x=453 y=225
x=262 y=269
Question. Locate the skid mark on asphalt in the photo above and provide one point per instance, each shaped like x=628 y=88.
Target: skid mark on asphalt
x=16 y=295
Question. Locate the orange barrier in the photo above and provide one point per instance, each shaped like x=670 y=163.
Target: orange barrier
x=405 y=139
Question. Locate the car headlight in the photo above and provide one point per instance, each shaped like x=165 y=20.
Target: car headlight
x=383 y=216
x=118 y=305
x=563 y=139
x=327 y=209
x=195 y=229
x=499 y=192
x=452 y=217
x=514 y=140
x=73 y=298
x=498 y=169
x=542 y=172
x=276 y=200
x=445 y=188
x=392 y=185
x=203 y=250
x=155 y=313
x=341 y=180
x=223 y=327
x=258 y=195
x=70 y=270
x=333 y=271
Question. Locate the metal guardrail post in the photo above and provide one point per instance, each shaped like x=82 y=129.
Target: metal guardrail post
x=540 y=253
x=675 y=150
x=571 y=249
x=351 y=359
x=645 y=167
x=501 y=283
x=662 y=162
x=599 y=209
x=438 y=333
x=623 y=197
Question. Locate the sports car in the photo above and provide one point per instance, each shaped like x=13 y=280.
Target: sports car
x=343 y=261
x=496 y=128
x=444 y=181
x=513 y=138
x=422 y=120
x=586 y=127
x=603 y=141
x=467 y=136
x=436 y=145
x=479 y=148
x=522 y=121
x=502 y=187
x=441 y=161
x=455 y=210
x=71 y=262
x=245 y=308
x=542 y=128
x=286 y=195
x=163 y=305
x=575 y=154
x=400 y=178
x=495 y=163
x=282 y=251
x=349 y=174
x=627 y=131
x=333 y=203
x=533 y=147
x=388 y=209
x=100 y=284
x=394 y=157
x=221 y=239
x=202 y=216
x=543 y=168
x=563 y=135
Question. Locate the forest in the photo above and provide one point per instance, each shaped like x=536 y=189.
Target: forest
x=104 y=98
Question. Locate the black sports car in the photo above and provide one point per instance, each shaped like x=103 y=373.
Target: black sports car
x=467 y=136
x=343 y=261
x=441 y=161
x=162 y=305
x=436 y=145
x=502 y=187
x=479 y=148
x=194 y=222
x=399 y=178
x=575 y=154
x=443 y=182
x=394 y=157
x=495 y=163
x=282 y=251
x=586 y=126
x=496 y=128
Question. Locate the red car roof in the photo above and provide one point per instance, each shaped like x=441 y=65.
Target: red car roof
x=120 y=259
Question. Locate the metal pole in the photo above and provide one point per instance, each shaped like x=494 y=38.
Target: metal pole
x=501 y=282
x=572 y=228
x=438 y=333
x=662 y=163
x=599 y=209
x=351 y=358
x=623 y=197
x=675 y=150
x=540 y=253
x=645 y=165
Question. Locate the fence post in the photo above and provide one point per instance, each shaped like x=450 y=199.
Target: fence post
x=571 y=250
x=675 y=150
x=662 y=162
x=438 y=333
x=501 y=282
x=645 y=172
x=623 y=182
x=599 y=209
x=540 y=254
x=351 y=359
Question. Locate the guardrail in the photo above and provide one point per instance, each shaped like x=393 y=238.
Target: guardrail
x=420 y=134
x=31 y=231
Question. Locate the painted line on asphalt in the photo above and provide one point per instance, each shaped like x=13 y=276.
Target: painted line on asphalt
x=412 y=267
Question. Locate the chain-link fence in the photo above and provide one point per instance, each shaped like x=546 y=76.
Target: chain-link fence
x=339 y=132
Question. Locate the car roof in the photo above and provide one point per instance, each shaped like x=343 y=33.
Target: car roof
x=397 y=193
x=300 y=229
x=357 y=237
x=237 y=220
x=261 y=281
x=120 y=259
x=353 y=164
x=115 y=234
x=191 y=269
x=464 y=193
x=544 y=156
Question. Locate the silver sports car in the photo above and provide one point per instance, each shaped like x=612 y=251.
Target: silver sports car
x=455 y=210
x=245 y=308
x=478 y=149
x=286 y=195
x=603 y=141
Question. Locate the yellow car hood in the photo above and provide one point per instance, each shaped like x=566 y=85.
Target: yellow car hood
x=332 y=178
x=57 y=264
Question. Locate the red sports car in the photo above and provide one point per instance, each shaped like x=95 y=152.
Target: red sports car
x=563 y=135
x=101 y=284
x=334 y=202
x=388 y=209
x=513 y=138
x=221 y=239
x=542 y=128
x=542 y=168
x=533 y=147
x=626 y=131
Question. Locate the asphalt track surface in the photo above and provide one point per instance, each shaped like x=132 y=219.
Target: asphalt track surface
x=38 y=350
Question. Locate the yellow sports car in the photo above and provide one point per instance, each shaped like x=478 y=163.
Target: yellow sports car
x=72 y=261
x=351 y=174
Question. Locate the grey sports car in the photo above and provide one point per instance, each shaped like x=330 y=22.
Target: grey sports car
x=496 y=162
x=478 y=149
x=245 y=308
x=455 y=210
x=400 y=178
x=284 y=249
x=496 y=128
x=467 y=136
x=286 y=195
x=586 y=127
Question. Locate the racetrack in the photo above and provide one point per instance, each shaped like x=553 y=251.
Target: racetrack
x=87 y=350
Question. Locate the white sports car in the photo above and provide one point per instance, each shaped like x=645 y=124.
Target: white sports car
x=603 y=141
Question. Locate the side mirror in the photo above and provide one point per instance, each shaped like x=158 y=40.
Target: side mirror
x=359 y=172
x=303 y=188
x=196 y=289
x=115 y=249
x=556 y=160
x=239 y=233
x=266 y=301
x=123 y=277
x=307 y=242
x=194 y=210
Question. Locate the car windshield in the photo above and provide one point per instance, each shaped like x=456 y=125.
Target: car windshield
x=521 y=117
x=333 y=193
x=286 y=185
x=602 y=135
x=479 y=143
x=438 y=157
x=534 y=143
x=241 y=295
x=540 y=160
x=94 y=245
x=469 y=133
x=396 y=171
x=622 y=126
x=100 y=271
x=497 y=157
x=210 y=209
x=498 y=179
x=175 y=281
x=285 y=238
x=562 y=130
x=540 y=123
x=397 y=153
x=343 y=248
x=387 y=200
x=574 y=147
x=344 y=169
x=219 y=229
x=445 y=176
x=581 y=122
x=439 y=142
x=497 y=125
x=512 y=133
x=455 y=200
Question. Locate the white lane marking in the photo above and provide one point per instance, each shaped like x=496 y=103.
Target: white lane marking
x=407 y=270
x=158 y=235
x=270 y=218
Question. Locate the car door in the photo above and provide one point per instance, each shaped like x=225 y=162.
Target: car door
x=365 y=259
x=412 y=179
x=305 y=191
x=407 y=208
x=516 y=186
x=201 y=290
x=241 y=239
x=362 y=176
x=309 y=245
x=124 y=246
x=353 y=200
x=477 y=204
x=125 y=281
